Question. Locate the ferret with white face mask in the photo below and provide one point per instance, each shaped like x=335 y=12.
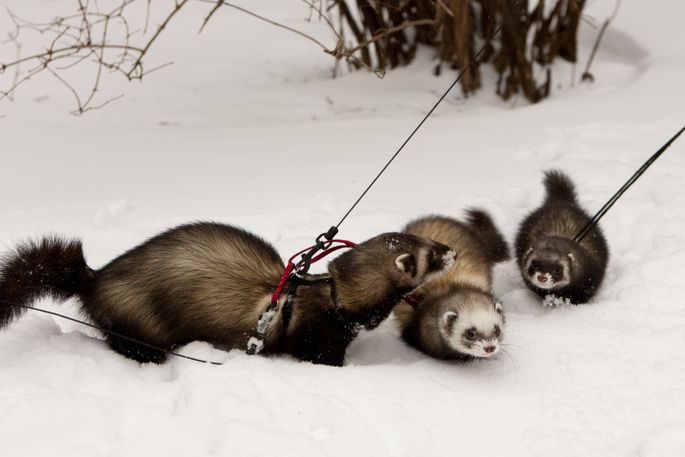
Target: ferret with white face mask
x=455 y=316
x=552 y=263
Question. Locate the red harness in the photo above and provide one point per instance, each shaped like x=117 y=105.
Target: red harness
x=291 y=264
x=256 y=343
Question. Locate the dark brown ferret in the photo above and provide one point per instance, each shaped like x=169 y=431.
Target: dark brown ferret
x=456 y=316
x=553 y=264
x=210 y=282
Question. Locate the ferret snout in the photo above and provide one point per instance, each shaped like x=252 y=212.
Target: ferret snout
x=542 y=280
x=487 y=348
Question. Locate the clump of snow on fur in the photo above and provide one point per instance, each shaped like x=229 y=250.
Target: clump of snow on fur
x=265 y=319
x=552 y=301
x=449 y=259
x=255 y=345
x=392 y=244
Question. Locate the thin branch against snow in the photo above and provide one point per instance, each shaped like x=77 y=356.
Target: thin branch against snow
x=110 y=42
x=76 y=39
x=136 y=71
x=218 y=5
x=107 y=42
x=587 y=76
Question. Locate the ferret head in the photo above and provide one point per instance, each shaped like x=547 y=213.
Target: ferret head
x=548 y=266
x=472 y=323
x=387 y=266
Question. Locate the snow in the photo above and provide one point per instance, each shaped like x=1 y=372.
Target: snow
x=449 y=259
x=552 y=301
x=257 y=134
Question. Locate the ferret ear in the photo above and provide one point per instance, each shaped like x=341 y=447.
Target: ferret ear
x=448 y=320
x=406 y=263
x=571 y=257
x=498 y=307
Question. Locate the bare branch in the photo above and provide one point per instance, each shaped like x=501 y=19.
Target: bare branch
x=137 y=66
x=323 y=16
x=587 y=76
x=385 y=32
x=218 y=5
x=277 y=24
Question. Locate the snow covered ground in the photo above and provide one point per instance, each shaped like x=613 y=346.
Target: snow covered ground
x=257 y=134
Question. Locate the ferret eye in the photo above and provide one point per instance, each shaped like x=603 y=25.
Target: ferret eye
x=498 y=332
x=557 y=270
x=471 y=334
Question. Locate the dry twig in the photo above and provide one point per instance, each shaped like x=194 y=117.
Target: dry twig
x=587 y=76
x=103 y=39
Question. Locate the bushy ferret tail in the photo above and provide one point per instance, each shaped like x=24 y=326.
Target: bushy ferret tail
x=50 y=266
x=495 y=244
x=559 y=187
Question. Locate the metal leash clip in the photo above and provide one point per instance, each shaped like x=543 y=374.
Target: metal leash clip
x=324 y=242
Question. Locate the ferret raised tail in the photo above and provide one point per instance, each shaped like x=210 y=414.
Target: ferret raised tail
x=455 y=315
x=210 y=282
x=552 y=263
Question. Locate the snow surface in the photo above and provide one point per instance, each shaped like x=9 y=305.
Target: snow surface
x=255 y=133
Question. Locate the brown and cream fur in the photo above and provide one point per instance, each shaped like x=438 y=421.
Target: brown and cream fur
x=210 y=282
x=460 y=302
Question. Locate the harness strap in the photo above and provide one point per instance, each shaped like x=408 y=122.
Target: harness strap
x=255 y=343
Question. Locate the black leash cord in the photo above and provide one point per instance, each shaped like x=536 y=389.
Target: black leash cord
x=607 y=206
x=303 y=266
x=425 y=118
x=113 y=333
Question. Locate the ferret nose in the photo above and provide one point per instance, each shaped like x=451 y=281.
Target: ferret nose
x=489 y=349
x=542 y=278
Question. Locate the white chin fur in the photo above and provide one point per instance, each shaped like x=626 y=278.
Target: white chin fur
x=478 y=349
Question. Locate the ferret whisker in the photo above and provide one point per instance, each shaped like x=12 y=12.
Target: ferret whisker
x=505 y=344
x=514 y=363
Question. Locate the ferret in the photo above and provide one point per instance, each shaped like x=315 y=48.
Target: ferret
x=210 y=282
x=456 y=316
x=551 y=262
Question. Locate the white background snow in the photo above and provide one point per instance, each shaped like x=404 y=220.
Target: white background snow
x=256 y=133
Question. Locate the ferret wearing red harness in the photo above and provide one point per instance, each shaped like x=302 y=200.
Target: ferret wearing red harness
x=210 y=282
